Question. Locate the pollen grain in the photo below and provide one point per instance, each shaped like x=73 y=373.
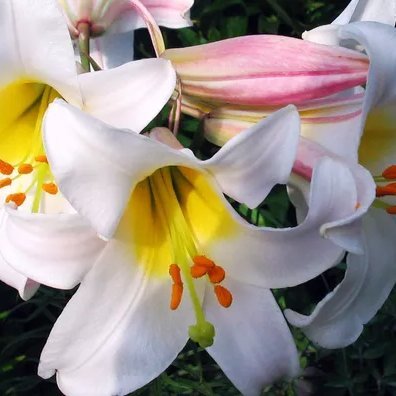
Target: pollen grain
x=25 y=169
x=50 y=188
x=6 y=168
x=203 y=261
x=224 y=296
x=216 y=274
x=5 y=182
x=17 y=198
x=176 y=297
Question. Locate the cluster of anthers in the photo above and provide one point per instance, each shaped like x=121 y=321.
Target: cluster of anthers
x=40 y=168
x=202 y=266
x=386 y=190
x=202 y=332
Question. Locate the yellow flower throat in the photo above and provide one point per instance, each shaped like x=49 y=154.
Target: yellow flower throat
x=176 y=215
x=22 y=157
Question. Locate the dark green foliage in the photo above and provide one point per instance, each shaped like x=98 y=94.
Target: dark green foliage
x=366 y=368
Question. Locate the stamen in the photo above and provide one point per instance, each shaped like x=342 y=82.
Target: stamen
x=224 y=296
x=50 y=188
x=5 y=182
x=390 y=172
x=203 y=261
x=25 y=169
x=17 y=198
x=6 y=168
x=216 y=274
x=197 y=271
x=176 y=297
x=391 y=210
x=174 y=272
x=389 y=189
x=41 y=158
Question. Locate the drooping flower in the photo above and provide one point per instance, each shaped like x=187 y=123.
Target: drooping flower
x=110 y=23
x=35 y=71
x=338 y=319
x=179 y=260
x=264 y=70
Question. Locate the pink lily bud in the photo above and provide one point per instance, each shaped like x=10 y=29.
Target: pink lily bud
x=266 y=70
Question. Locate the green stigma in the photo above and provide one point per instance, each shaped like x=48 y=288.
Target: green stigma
x=202 y=333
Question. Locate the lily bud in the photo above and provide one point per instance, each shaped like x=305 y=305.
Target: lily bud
x=266 y=70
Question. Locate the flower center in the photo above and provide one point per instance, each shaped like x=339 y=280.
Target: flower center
x=386 y=190
x=22 y=157
x=180 y=219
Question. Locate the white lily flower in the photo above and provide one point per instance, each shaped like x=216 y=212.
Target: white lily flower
x=36 y=68
x=163 y=212
x=383 y=11
x=112 y=23
x=338 y=319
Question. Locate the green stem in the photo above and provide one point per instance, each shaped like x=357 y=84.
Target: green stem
x=83 y=45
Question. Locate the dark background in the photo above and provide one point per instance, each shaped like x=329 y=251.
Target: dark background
x=366 y=368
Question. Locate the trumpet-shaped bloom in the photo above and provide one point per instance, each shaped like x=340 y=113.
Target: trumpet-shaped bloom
x=265 y=70
x=36 y=68
x=383 y=11
x=179 y=261
x=112 y=22
x=338 y=320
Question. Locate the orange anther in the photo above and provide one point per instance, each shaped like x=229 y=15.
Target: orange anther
x=216 y=274
x=224 y=296
x=391 y=210
x=41 y=158
x=390 y=172
x=389 y=189
x=358 y=205
x=5 y=182
x=176 y=297
x=6 y=168
x=197 y=271
x=174 y=272
x=50 y=188
x=203 y=261
x=18 y=198
x=25 y=169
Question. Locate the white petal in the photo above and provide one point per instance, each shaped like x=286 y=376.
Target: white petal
x=379 y=41
x=25 y=286
x=129 y=96
x=112 y=50
x=383 y=11
x=117 y=333
x=36 y=46
x=97 y=166
x=249 y=165
x=326 y=35
x=276 y=258
x=253 y=344
x=55 y=250
x=173 y=14
x=338 y=319
x=346 y=230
